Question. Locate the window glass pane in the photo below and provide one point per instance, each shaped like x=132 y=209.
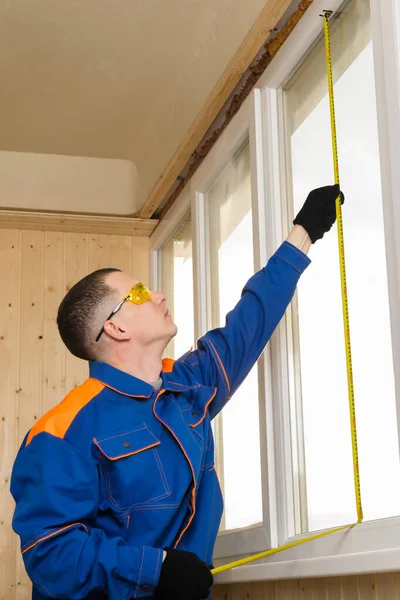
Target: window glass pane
x=329 y=472
x=177 y=285
x=231 y=265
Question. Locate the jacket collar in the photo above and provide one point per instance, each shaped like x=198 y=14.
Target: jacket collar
x=121 y=382
x=128 y=385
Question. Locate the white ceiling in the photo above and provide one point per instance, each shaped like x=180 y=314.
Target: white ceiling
x=113 y=78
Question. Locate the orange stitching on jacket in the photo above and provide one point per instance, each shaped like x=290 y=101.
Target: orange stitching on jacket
x=122 y=393
x=128 y=454
x=128 y=509
x=191 y=404
x=121 y=434
x=44 y=587
x=216 y=474
x=193 y=431
x=205 y=410
x=222 y=366
x=162 y=472
x=193 y=502
x=193 y=498
x=53 y=534
x=144 y=507
x=288 y=262
x=167 y=491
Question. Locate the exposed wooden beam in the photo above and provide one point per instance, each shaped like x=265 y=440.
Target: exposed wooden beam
x=47 y=221
x=247 y=51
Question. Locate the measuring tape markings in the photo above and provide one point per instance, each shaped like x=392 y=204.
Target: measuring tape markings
x=346 y=323
x=343 y=279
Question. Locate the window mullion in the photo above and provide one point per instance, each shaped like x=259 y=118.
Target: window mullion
x=259 y=209
x=293 y=337
x=279 y=403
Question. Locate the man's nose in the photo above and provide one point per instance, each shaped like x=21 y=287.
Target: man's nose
x=158 y=297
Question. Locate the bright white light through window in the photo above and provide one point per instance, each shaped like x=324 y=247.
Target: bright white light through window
x=329 y=474
x=232 y=264
x=177 y=284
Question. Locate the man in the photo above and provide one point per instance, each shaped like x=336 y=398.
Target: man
x=115 y=488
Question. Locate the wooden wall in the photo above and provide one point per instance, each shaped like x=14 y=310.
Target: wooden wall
x=36 y=269
x=365 y=587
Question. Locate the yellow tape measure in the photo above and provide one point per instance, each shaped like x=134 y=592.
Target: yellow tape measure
x=346 y=323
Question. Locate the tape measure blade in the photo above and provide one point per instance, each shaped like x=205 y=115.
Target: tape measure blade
x=343 y=279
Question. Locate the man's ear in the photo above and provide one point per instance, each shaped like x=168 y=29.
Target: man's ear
x=115 y=331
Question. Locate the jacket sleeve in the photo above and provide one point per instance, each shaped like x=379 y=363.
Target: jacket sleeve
x=225 y=355
x=56 y=490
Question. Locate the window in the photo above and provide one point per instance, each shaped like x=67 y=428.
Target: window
x=231 y=257
x=328 y=476
x=293 y=472
x=177 y=285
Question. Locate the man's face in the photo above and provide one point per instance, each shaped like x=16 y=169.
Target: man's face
x=146 y=323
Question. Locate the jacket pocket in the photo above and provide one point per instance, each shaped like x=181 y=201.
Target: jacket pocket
x=132 y=468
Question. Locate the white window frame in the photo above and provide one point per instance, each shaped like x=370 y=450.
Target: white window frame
x=163 y=233
x=254 y=538
x=371 y=546
x=257 y=537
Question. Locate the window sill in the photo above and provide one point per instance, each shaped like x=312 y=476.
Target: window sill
x=372 y=547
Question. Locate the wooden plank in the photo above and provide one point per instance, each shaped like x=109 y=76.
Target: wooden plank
x=269 y=590
x=247 y=51
x=31 y=331
x=222 y=592
x=54 y=349
x=367 y=587
x=76 y=253
x=397 y=585
x=306 y=589
x=121 y=253
x=23 y=589
x=255 y=591
x=141 y=259
x=350 y=588
x=265 y=590
x=384 y=586
x=334 y=588
x=31 y=353
x=387 y=586
x=287 y=590
x=260 y=591
x=99 y=224
x=9 y=348
x=319 y=589
x=99 y=251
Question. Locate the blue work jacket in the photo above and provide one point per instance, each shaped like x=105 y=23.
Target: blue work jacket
x=118 y=471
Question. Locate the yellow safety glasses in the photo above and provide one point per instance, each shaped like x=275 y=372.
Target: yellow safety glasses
x=139 y=294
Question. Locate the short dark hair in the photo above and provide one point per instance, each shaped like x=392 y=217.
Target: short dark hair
x=79 y=308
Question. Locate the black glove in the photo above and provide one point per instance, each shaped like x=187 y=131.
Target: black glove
x=319 y=211
x=183 y=577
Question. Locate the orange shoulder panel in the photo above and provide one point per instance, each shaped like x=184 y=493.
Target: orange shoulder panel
x=58 y=419
x=167 y=365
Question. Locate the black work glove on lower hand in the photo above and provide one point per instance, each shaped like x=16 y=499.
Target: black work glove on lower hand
x=184 y=577
x=319 y=211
